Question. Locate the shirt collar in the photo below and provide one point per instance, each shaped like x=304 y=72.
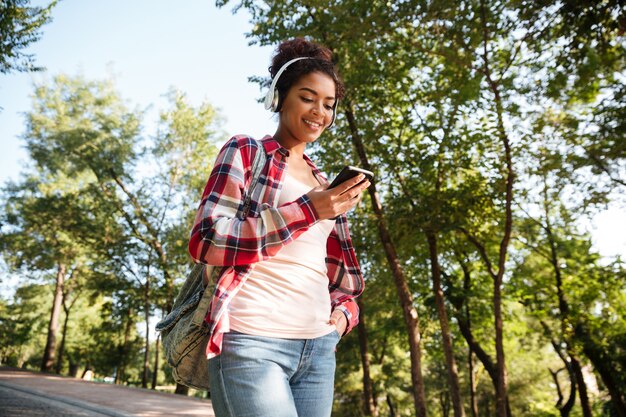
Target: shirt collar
x=271 y=146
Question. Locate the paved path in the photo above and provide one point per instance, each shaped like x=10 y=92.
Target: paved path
x=74 y=397
x=16 y=403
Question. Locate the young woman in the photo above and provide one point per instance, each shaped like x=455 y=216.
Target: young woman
x=285 y=294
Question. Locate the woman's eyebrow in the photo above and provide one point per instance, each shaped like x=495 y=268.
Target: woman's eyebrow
x=310 y=90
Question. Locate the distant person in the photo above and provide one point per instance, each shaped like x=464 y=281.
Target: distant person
x=286 y=293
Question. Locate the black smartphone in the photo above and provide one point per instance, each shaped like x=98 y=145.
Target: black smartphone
x=350 y=172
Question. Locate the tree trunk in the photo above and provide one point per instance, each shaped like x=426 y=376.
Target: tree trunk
x=453 y=376
x=392 y=408
x=502 y=387
x=483 y=356
x=67 y=309
x=62 y=347
x=582 y=386
x=146 y=308
x=411 y=317
x=146 y=356
x=444 y=401
x=49 y=352
x=155 y=374
x=559 y=402
x=120 y=376
x=465 y=326
x=73 y=372
x=470 y=354
x=368 y=392
x=472 y=376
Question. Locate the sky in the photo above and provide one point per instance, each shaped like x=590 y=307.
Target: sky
x=147 y=47
x=150 y=46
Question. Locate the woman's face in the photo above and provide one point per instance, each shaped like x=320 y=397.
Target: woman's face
x=307 y=109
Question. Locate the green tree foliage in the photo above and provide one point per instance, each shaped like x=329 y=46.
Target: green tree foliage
x=112 y=202
x=23 y=326
x=448 y=102
x=55 y=250
x=20 y=26
x=495 y=129
x=564 y=282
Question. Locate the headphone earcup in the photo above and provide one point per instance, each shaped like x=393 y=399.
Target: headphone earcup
x=269 y=97
x=271 y=100
x=275 y=99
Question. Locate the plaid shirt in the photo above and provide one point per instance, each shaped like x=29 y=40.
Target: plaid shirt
x=220 y=238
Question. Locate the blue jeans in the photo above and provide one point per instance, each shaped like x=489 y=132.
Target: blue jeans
x=258 y=376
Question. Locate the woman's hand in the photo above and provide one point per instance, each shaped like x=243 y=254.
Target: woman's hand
x=340 y=321
x=329 y=204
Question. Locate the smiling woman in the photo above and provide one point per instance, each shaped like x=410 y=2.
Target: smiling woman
x=311 y=109
x=289 y=276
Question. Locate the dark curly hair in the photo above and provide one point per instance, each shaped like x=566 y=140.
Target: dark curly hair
x=300 y=47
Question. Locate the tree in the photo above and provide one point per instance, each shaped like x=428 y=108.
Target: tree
x=23 y=326
x=494 y=130
x=562 y=294
x=439 y=99
x=26 y=244
x=81 y=130
x=20 y=25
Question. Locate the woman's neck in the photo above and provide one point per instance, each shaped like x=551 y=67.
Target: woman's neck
x=295 y=148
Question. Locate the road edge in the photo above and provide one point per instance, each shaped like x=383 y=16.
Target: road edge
x=70 y=401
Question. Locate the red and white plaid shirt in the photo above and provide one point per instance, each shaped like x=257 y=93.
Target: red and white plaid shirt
x=220 y=238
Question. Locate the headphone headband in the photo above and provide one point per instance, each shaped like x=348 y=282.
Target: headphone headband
x=269 y=98
x=272 y=97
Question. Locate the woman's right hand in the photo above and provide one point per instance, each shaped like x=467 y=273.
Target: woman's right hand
x=329 y=204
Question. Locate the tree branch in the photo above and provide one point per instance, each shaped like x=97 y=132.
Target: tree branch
x=481 y=250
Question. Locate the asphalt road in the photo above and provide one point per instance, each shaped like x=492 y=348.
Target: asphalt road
x=34 y=394
x=15 y=403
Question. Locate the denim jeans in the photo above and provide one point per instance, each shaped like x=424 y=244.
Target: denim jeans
x=258 y=376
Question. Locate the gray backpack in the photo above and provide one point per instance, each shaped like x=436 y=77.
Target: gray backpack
x=184 y=333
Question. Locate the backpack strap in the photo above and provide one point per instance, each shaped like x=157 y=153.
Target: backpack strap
x=257 y=168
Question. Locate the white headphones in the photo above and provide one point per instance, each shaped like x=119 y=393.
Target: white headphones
x=272 y=97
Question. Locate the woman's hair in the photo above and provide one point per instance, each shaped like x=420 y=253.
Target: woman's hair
x=300 y=47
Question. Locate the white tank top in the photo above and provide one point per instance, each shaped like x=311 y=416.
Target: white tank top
x=287 y=296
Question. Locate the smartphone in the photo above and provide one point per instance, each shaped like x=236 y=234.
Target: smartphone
x=350 y=172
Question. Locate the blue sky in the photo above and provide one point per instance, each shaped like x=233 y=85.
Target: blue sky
x=149 y=46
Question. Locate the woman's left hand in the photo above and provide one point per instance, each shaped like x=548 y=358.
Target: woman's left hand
x=339 y=320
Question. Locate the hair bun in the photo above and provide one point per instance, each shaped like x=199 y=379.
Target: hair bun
x=298 y=47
